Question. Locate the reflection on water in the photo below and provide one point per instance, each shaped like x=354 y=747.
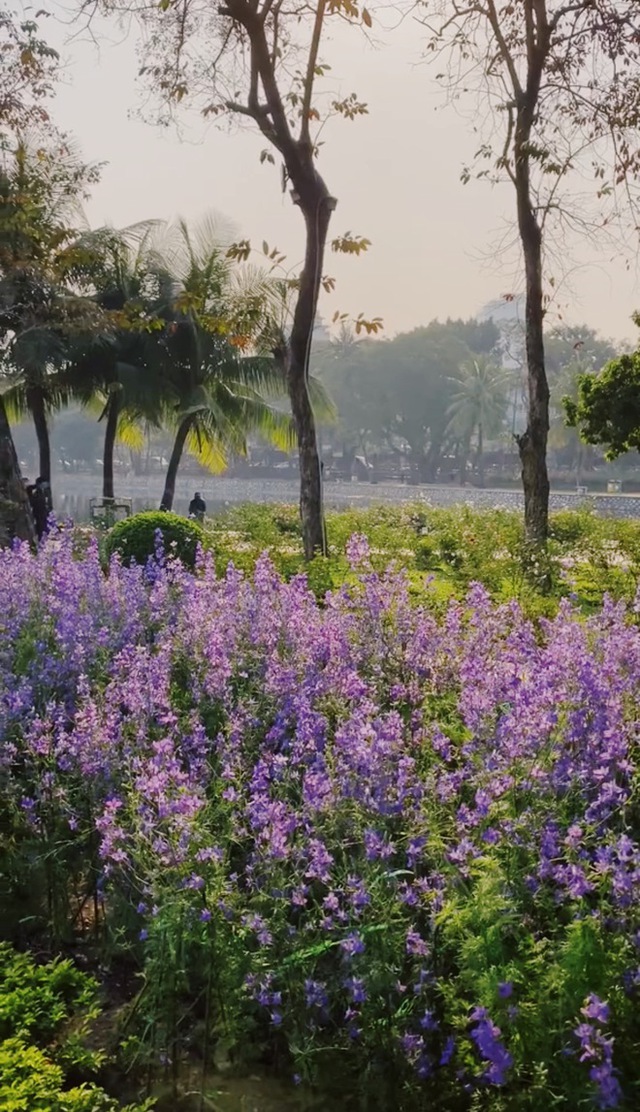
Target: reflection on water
x=78 y=506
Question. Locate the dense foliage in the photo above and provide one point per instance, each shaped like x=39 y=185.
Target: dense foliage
x=586 y=556
x=606 y=409
x=137 y=538
x=45 y=1015
x=387 y=845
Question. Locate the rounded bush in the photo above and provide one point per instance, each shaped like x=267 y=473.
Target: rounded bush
x=135 y=537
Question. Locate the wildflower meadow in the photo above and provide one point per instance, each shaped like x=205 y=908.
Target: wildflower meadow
x=385 y=848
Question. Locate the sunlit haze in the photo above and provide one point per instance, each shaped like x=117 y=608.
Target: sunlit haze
x=395 y=172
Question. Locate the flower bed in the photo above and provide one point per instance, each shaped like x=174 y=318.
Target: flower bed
x=389 y=849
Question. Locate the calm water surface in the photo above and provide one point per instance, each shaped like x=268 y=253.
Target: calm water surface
x=72 y=495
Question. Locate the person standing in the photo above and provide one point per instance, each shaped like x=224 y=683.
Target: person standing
x=197 y=507
x=40 y=505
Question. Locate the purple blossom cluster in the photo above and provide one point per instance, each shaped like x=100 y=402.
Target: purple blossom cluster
x=596 y=1049
x=416 y=830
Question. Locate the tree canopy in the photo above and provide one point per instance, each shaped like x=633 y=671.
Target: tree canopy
x=606 y=407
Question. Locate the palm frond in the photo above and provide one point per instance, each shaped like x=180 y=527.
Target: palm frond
x=130 y=434
x=323 y=405
x=209 y=451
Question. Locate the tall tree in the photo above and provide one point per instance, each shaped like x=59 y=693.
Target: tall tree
x=28 y=70
x=115 y=367
x=218 y=309
x=216 y=399
x=42 y=183
x=395 y=394
x=260 y=61
x=479 y=405
x=561 y=78
x=605 y=408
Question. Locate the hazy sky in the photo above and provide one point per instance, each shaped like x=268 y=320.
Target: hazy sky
x=395 y=172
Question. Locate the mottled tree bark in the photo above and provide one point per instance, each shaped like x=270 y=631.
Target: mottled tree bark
x=174 y=463
x=35 y=401
x=110 y=432
x=532 y=443
x=16 y=522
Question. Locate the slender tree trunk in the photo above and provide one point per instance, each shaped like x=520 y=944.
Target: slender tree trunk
x=463 y=455
x=480 y=455
x=16 y=521
x=110 y=433
x=174 y=464
x=316 y=207
x=311 y=194
x=532 y=444
x=35 y=401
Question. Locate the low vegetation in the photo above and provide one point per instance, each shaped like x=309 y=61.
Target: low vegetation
x=380 y=839
x=587 y=555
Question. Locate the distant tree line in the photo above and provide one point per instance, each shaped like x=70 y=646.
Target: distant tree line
x=439 y=395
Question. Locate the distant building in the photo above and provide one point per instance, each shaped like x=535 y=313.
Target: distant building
x=321 y=334
x=508 y=313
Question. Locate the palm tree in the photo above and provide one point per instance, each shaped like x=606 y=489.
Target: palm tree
x=218 y=399
x=115 y=369
x=479 y=405
x=40 y=191
x=221 y=321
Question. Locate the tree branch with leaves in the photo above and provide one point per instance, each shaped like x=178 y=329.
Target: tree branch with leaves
x=560 y=80
x=259 y=60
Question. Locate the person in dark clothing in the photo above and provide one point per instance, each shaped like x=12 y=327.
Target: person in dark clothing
x=197 y=507
x=40 y=507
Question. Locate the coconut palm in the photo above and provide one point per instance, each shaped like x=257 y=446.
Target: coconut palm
x=114 y=370
x=41 y=186
x=478 y=406
x=218 y=398
x=221 y=384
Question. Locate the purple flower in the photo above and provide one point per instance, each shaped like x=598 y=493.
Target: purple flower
x=315 y=994
x=487 y=1038
x=355 y=986
x=415 y=944
x=505 y=989
x=353 y=944
x=596 y=1009
x=448 y=1051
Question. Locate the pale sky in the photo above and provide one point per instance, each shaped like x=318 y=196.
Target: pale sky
x=395 y=172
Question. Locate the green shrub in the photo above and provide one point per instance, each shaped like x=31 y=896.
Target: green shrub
x=45 y=1012
x=571 y=526
x=427 y=554
x=37 y=1000
x=31 y=1082
x=135 y=538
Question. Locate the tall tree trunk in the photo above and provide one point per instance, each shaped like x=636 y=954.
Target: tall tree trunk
x=316 y=206
x=16 y=521
x=110 y=432
x=174 y=464
x=480 y=455
x=532 y=443
x=37 y=408
x=463 y=455
x=35 y=402
x=311 y=194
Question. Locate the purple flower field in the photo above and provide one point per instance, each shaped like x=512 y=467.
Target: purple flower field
x=388 y=849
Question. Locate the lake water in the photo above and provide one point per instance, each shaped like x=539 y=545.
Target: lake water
x=72 y=495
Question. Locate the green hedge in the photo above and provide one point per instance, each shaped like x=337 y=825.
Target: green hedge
x=135 y=537
x=46 y=1063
